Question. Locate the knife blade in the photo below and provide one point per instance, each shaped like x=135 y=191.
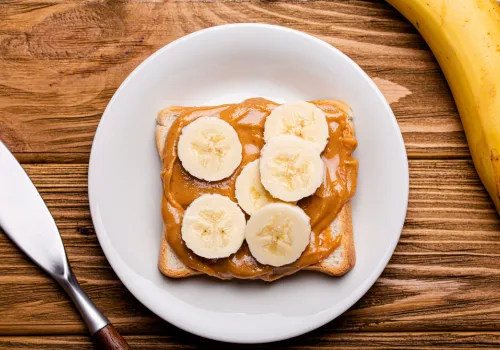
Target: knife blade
x=27 y=221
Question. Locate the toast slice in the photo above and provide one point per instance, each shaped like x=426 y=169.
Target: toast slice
x=339 y=262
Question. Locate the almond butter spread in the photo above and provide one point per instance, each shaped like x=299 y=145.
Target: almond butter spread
x=248 y=118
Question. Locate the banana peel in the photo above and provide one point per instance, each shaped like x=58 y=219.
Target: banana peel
x=464 y=36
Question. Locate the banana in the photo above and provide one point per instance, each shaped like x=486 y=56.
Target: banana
x=290 y=168
x=278 y=233
x=464 y=35
x=209 y=149
x=301 y=119
x=250 y=193
x=213 y=226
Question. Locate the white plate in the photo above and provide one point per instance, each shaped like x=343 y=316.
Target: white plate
x=227 y=64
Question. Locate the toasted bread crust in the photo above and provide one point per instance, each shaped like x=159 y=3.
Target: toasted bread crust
x=340 y=261
x=348 y=253
x=170 y=266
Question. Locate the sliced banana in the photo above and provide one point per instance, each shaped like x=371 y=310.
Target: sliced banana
x=301 y=119
x=290 y=168
x=209 y=149
x=213 y=226
x=250 y=193
x=278 y=233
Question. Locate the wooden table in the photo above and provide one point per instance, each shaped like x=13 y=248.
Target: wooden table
x=60 y=63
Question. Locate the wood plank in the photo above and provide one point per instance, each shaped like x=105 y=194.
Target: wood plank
x=444 y=275
x=52 y=157
x=60 y=63
x=315 y=340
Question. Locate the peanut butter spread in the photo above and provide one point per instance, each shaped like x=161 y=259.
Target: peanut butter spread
x=248 y=118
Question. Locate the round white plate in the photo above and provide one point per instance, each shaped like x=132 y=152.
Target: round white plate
x=221 y=65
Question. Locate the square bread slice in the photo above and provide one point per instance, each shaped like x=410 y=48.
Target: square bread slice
x=339 y=262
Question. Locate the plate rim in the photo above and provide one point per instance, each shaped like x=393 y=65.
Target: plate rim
x=328 y=315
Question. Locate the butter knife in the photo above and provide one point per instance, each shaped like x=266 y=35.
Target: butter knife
x=25 y=218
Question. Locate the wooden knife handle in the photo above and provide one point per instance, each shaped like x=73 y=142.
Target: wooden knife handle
x=108 y=338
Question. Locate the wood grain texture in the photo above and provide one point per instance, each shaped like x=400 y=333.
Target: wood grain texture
x=60 y=63
x=62 y=60
x=444 y=275
x=313 y=341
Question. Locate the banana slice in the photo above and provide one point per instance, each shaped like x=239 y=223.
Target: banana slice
x=278 y=233
x=213 y=226
x=301 y=119
x=209 y=149
x=250 y=193
x=290 y=168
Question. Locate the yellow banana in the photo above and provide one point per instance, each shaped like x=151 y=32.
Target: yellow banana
x=464 y=35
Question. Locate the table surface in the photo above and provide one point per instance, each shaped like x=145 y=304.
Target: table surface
x=60 y=63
